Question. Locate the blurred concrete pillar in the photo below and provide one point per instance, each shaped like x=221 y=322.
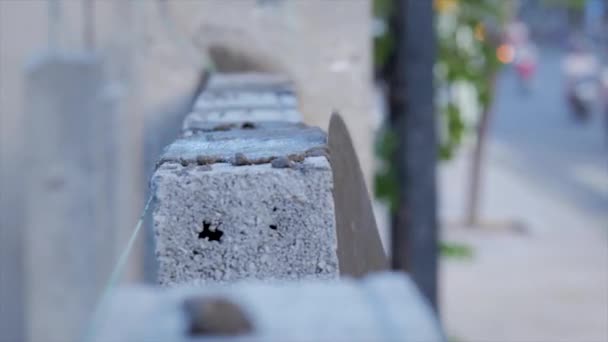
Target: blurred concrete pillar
x=69 y=239
x=11 y=221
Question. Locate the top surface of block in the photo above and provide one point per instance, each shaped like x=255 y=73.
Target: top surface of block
x=250 y=99
x=248 y=81
x=245 y=97
x=255 y=146
x=233 y=116
x=381 y=307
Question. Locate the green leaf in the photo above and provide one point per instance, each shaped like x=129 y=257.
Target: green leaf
x=455 y=250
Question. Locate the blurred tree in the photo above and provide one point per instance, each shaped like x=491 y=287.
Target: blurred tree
x=573 y=8
x=468 y=34
x=570 y=4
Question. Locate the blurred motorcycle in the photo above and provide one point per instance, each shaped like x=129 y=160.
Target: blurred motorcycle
x=582 y=94
x=580 y=67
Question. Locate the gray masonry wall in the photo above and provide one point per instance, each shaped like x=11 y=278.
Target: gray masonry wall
x=245 y=197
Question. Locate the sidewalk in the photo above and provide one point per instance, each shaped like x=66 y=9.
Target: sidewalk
x=547 y=283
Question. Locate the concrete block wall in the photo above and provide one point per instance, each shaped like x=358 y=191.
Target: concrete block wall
x=323 y=46
x=247 y=195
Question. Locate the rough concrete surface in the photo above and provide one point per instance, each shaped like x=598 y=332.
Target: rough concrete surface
x=256 y=145
x=219 y=222
x=242 y=197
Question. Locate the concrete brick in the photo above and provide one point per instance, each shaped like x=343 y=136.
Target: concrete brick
x=224 y=211
x=241 y=115
x=245 y=97
x=380 y=307
x=249 y=81
x=238 y=99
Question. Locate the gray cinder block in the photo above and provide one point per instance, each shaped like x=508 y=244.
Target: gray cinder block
x=236 y=202
x=380 y=307
x=249 y=81
x=245 y=97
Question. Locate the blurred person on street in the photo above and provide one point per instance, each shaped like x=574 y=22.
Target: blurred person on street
x=526 y=60
x=525 y=56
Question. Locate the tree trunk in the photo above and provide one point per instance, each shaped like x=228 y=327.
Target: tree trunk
x=472 y=201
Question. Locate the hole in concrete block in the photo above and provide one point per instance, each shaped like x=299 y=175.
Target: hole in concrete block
x=210 y=234
x=248 y=125
x=274 y=209
x=195 y=252
x=273 y=226
x=216 y=317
